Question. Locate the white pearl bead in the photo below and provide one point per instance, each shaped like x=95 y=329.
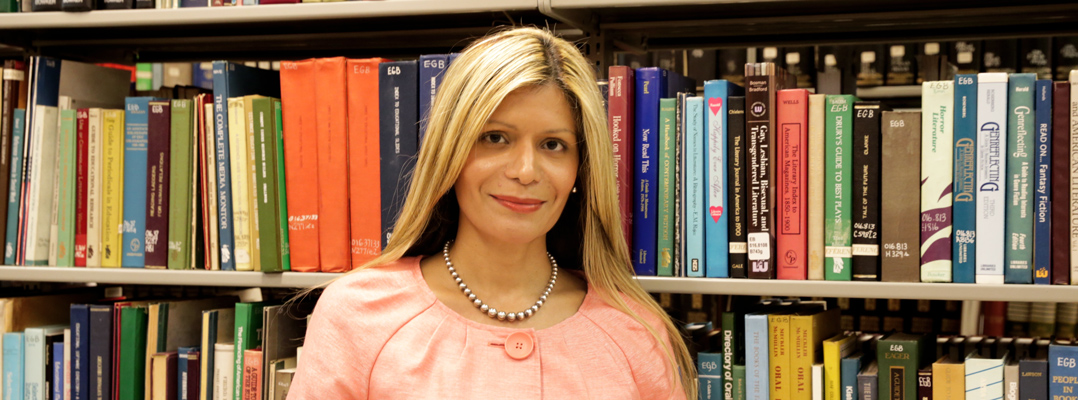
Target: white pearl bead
x=528 y=313
x=493 y=312
x=540 y=302
x=477 y=302
x=501 y=316
x=472 y=297
x=484 y=307
x=511 y=317
x=468 y=292
x=459 y=281
x=462 y=286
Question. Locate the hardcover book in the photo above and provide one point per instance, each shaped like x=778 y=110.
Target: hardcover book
x=398 y=116
x=622 y=88
x=851 y=366
x=738 y=230
x=272 y=249
x=1062 y=368
x=1061 y=175
x=158 y=152
x=80 y=352
x=900 y=356
x=651 y=85
x=1033 y=375
x=363 y=165
x=280 y=194
x=101 y=359
x=334 y=249
x=793 y=159
x=40 y=168
x=816 y=153
x=11 y=237
x=14 y=356
x=82 y=133
x=241 y=203
x=1020 y=188
x=716 y=221
x=838 y=167
x=132 y=350
x=866 y=190
x=780 y=343
x=248 y=321
x=181 y=208
x=13 y=76
x=61 y=251
x=665 y=196
x=964 y=212
x=112 y=178
x=808 y=330
x=937 y=177
x=992 y=148
x=250 y=131
x=757 y=360
x=835 y=350
x=949 y=379
x=1042 y=222
x=868 y=382
x=136 y=142
x=763 y=80
x=1074 y=178
x=710 y=376
x=432 y=69
x=301 y=156
x=695 y=144
x=984 y=376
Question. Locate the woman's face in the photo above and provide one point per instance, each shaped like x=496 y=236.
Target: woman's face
x=520 y=173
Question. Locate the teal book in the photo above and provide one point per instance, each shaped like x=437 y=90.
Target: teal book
x=136 y=147
x=65 y=188
x=667 y=154
x=14 y=195
x=964 y=212
x=716 y=162
x=14 y=357
x=838 y=188
x=1018 y=256
x=709 y=376
x=693 y=186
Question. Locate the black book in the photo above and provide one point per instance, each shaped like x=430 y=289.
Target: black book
x=77 y=5
x=702 y=64
x=144 y=4
x=1065 y=56
x=738 y=200
x=924 y=383
x=1001 y=55
x=762 y=80
x=13 y=77
x=398 y=91
x=1033 y=374
x=966 y=55
x=1037 y=57
x=45 y=5
x=732 y=65
x=117 y=4
x=100 y=352
x=866 y=190
x=901 y=65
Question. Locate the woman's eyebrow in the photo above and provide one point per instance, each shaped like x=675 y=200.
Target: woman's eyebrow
x=514 y=127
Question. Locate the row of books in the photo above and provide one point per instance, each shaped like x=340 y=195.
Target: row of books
x=216 y=348
x=791 y=351
x=90 y=5
x=783 y=183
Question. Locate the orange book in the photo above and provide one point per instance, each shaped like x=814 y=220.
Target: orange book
x=363 y=160
x=792 y=190
x=301 y=162
x=252 y=374
x=330 y=92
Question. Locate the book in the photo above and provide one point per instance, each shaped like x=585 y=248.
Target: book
x=332 y=129
x=740 y=386
x=838 y=163
x=924 y=383
x=218 y=327
x=733 y=349
x=817 y=381
x=397 y=91
x=900 y=355
x=937 y=177
x=1061 y=201
x=112 y=178
x=816 y=133
x=250 y=131
x=208 y=181
x=14 y=193
x=80 y=352
x=780 y=343
x=984 y=376
x=132 y=353
x=868 y=382
x=835 y=350
x=223 y=374
x=1074 y=178
x=432 y=69
x=1018 y=256
x=665 y=187
x=36 y=368
x=850 y=367
x=62 y=251
x=283 y=328
x=964 y=212
x=271 y=248
x=182 y=161
x=694 y=186
x=1042 y=223
x=757 y=361
x=792 y=160
x=808 y=330
x=187 y=373
x=738 y=230
x=248 y=321
x=241 y=201
x=136 y=142
x=620 y=117
x=1033 y=375
x=58 y=383
x=41 y=165
x=164 y=376
x=651 y=84
x=280 y=197
x=12 y=78
x=1062 y=368
x=301 y=156
x=284 y=382
x=14 y=356
x=232 y=80
x=762 y=81
x=709 y=371
x=158 y=153
x=252 y=375
x=101 y=359
x=865 y=203
x=991 y=184
x=82 y=133
x=363 y=165
x=1010 y=378
x=716 y=222
x=949 y=379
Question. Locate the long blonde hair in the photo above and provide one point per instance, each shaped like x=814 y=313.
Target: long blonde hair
x=474 y=86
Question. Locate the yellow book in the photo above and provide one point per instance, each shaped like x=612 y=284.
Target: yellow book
x=834 y=349
x=112 y=193
x=252 y=182
x=241 y=202
x=948 y=379
x=809 y=329
x=779 y=341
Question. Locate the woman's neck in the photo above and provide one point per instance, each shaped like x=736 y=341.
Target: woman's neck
x=499 y=272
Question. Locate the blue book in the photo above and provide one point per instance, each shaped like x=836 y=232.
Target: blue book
x=1018 y=256
x=1062 y=370
x=650 y=87
x=100 y=362
x=398 y=89
x=716 y=219
x=57 y=382
x=1042 y=213
x=451 y=58
x=232 y=80
x=202 y=74
x=757 y=351
x=14 y=358
x=136 y=142
x=964 y=213
x=849 y=367
x=80 y=352
x=431 y=70
x=709 y=375
x=14 y=194
x=694 y=186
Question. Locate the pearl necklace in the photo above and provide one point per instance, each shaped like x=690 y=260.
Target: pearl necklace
x=493 y=312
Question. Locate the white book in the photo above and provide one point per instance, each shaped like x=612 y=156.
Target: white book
x=991 y=204
x=1074 y=177
x=817 y=381
x=93 y=188
x=67 y=365
x=241 y=203
x=37 y=360
x=816 y=134
x=223 y=371
x=984 y=378
x=42 y=158
x=937 y=175
x=211 y=183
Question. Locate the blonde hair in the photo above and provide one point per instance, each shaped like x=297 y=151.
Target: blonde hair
x=475 y=84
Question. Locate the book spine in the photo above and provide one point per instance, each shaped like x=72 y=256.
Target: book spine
x=431 y=70
x=738 y=189
x=665 y=198
x=132 y=358
x=991 y=170
x=694 y=187
x=650 y=86
x=281 y=195
x=677 y=191
x=82 y=128
x=1061 y=201
x=716 y=220
x=209 y=340
x=1073 y=178
x=1010 y=381
x=780 y=340
x=136 y=141
x=1062 y=368
x=266 y=186
x=1042 y=223
x=36 y=362
x=1033 y=379
x=64 y=245
x=112 y=187
x=898 y=361
x=709 y=370
x=301 y=155
x=1018 y=256
x=209 y=176
x=937 y=158
x=252 y=375
x=100 y=352
x=14 y=359
x=816 y=160
x=792 y=164
x=41 y=165
x=757 y=358
x=254 y=235
x=363 y=165
x=12 y=79
x=804 y=349
x=868 y=386
x=237 y=147
x=622 y=88
x=759 y=121
x=948 y=381
x=223 y=169
x=838 y=187
x=924 y=384
x=14 y=187
x=850 y=368
x=247 y=336
x=865 y=202
x=964 y=212
x=57 y=382
x=332 y=129
x=397 y=88
x=984 y=379
x=80 y=352
x=181 y=373
x=94 y=187
x=190 y=387
x=180 y=191
x=730 y=330
x=224 y=375
x=740 y=384
x=157 y=184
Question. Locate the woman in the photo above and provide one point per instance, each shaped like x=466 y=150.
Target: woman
x=467 y=301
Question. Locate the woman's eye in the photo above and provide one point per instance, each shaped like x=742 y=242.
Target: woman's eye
x=494 y=138
x=554 y=145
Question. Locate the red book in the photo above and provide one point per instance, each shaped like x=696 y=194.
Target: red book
x=620 y=108
x=1061 y=180
x=208 y=221
x=330 y=90
x=792 y=166
x=301 y=162
x=82 y=126
x=363 y=160
x=252 y=374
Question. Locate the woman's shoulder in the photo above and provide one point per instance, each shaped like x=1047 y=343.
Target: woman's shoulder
x=606 y=315
x=393 y=287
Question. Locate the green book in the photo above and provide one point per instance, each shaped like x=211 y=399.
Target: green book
x=181 y=184
x=65 y=192
x=265 y=149
x=282 y=198
x=9 y=6
x=667 y=154
x=132 y=353
x=731 y=347
x=739 y=382
x=900 y=356
x=143 y=76
x=1018 y=255
x=247 y=336
x=838 y=171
